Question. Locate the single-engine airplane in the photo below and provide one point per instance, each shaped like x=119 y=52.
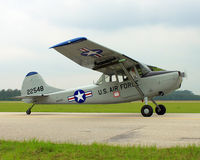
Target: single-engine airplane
x=123 y=79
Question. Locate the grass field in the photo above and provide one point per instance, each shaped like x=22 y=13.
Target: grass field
x=134 y=107
x=34 y=150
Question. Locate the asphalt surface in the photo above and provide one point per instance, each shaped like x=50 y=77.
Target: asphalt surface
x=109 y=128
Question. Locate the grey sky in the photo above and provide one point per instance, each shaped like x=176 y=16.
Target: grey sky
x=156 y=32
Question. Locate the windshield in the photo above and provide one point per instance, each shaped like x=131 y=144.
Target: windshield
x=142 y=69
x=145 y=68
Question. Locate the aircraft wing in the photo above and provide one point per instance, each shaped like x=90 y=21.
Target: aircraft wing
x=94 y=56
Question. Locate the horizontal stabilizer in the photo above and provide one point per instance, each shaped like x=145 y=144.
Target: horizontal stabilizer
x=30 y=97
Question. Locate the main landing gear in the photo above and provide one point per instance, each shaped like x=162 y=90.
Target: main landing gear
x=147 y=110
x=28 y=112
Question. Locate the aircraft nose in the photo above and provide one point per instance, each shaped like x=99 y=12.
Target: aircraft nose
x=181 y=74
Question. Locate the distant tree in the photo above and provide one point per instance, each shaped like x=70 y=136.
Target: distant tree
x=180 y=95
x=7 y=95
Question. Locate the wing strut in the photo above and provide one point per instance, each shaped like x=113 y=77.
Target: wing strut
x=132 y=80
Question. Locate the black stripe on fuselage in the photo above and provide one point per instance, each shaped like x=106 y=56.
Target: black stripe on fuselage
x=155 y=73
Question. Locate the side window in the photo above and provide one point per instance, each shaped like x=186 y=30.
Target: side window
x=110 y=78
x=107 y=78
x=113 y=79
x=120 y=78
x=125 y=78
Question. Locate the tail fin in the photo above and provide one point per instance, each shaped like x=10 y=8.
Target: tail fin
x=34 y=85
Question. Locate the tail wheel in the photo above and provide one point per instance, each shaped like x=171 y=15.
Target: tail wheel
x=160 y=109
x=147 y=111
x=28 y=112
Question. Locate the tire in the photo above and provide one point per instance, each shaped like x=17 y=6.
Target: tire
x=161 y=110
x=147 y=111
x=28 y=112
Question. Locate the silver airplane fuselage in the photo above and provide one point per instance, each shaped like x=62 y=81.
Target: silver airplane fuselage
x=154 y=84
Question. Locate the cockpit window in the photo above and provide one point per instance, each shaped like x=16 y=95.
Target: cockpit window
x=153 y=68
x=139 y=70
x=142 y=69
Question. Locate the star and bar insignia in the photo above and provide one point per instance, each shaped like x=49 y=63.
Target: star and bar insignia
x=94 y=52
x=80 y=96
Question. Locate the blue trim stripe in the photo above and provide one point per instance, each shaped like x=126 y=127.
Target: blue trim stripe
x=31 y=73
x=75 y=40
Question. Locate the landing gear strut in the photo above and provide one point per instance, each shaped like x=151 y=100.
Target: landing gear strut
x=28 y=112
x=147 y=110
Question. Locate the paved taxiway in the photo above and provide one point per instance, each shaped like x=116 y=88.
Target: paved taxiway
x=110 y=128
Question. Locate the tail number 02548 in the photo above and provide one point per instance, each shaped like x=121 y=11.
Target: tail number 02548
x=35 y=90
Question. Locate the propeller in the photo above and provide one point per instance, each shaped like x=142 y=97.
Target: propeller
x=183 y=74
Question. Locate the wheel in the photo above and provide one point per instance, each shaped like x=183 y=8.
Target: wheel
x=160 y=110
x=28 y=112
x=147 y=111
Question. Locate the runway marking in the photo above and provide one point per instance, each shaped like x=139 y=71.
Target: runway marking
x=98 y=117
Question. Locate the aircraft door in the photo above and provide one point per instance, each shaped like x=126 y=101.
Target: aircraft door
x=134 y=73
x=126 y=87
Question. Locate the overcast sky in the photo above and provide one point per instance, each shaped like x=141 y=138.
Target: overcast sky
x=156 y=32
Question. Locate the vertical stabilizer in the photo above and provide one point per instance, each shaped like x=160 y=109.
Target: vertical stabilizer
x=34 y=85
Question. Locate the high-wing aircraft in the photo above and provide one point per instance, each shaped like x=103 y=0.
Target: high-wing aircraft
x=123 y=79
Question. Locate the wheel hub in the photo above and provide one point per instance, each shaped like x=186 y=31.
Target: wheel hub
x=146 y=110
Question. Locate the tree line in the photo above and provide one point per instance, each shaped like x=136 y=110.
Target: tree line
x=7 y=95
x=180 y=95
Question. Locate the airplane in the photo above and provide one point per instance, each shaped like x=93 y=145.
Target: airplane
x=123 y=79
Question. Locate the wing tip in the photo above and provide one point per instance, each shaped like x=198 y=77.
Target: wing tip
x=75 y=40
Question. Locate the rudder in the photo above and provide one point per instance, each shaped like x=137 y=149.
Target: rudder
x=34 y=84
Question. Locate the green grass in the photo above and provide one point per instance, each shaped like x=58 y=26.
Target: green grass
x=35 y=150
x=172 y=107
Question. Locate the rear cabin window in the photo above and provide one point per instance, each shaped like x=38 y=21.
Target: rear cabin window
x=113 y=78
x=125 y=78
x=120 y=78
x=107 y=78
